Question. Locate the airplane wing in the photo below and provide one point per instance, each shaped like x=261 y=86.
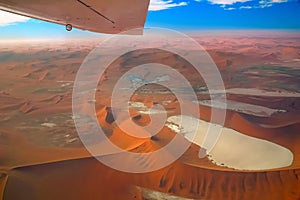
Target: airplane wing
x=104 y=16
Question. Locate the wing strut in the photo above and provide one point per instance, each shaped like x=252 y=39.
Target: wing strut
x=88 y=6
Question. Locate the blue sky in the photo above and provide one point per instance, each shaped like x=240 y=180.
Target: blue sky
x=182 y=15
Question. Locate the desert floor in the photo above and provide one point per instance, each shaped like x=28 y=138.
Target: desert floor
x=256 y=157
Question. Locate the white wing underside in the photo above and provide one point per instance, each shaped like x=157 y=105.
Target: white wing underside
x=104 y=16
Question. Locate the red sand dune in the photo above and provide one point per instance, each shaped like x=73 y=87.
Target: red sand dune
x=42 y=157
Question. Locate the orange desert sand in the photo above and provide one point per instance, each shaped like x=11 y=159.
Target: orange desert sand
x=256 y=157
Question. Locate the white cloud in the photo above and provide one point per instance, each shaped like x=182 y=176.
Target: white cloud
x=230 y=8
x=156 y=5
x=278 y=1
x=9 y=18
x=227 y=2
x=269 y=3
x=245 y=7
